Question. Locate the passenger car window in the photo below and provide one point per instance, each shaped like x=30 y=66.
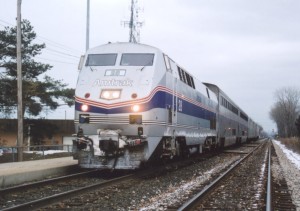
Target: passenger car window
x=101 y=60
x=137 y=59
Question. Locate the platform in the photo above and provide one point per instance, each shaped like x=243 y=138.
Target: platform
x=27 y=171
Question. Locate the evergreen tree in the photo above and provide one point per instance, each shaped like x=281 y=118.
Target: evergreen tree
x=37 y=92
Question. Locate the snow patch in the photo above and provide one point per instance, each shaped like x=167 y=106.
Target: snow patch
x=292 y=156
x=46 y=152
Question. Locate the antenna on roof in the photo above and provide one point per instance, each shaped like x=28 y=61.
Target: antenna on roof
x=134 y=24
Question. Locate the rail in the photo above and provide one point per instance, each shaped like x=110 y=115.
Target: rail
x=192 y=202
x=47 y=201
x=45 y=182
x=278 y=193
x=269 y=188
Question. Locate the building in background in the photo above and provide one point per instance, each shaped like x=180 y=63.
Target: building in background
x=36 y=132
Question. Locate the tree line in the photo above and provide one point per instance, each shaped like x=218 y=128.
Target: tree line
x=286 y=112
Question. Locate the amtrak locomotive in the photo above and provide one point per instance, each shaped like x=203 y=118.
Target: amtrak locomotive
x=135 y=105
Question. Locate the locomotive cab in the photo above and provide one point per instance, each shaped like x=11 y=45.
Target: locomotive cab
x=114 y=94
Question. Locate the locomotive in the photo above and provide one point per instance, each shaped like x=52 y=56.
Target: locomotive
x=135 y=105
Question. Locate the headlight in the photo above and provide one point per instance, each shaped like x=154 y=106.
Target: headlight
x=110 y=94
x=135 y=108
x=116 y=94
x=84 y=107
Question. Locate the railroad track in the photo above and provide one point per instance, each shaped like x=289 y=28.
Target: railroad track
x=49 y=191
x=16 y=188
x=222 y=193
x=278 y=194
x=47 y=201
x=52 y=201
x=68 y=198
x=96 y=196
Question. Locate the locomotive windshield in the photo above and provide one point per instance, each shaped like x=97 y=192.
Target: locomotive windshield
x=137 y=59
x=101 y=59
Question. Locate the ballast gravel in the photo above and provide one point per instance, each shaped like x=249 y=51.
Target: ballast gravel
x=291 y=173
x=166 y=191
x=160 y=192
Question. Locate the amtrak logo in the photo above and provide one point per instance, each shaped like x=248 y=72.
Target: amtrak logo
x=113 y=82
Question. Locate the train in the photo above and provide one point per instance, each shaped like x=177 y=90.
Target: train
x=134 y=105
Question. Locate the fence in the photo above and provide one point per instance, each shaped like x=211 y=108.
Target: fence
x=36 y=152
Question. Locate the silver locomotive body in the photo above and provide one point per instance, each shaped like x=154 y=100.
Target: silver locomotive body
x=135 y=105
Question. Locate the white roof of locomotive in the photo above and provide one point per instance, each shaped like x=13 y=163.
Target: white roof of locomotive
x=123 y=47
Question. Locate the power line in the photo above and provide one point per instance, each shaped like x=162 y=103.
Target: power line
x=2 y=25
x=50 y=42
x=51 y=59
x=56 y=60
x=58 y=45
x=50 y=49
x=6 y=22
x=60 y=56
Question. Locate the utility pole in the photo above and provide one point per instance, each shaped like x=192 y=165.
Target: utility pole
x=19 y=73
x=87 y=26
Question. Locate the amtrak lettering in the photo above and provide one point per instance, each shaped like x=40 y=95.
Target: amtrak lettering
x=113 y=82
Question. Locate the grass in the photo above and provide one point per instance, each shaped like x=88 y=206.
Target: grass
x=291 y=143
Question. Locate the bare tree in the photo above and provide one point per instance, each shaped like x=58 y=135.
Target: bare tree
x=285 y=111
x=297 y=123
x=277 y=116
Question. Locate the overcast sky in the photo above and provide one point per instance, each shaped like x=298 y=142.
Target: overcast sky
x=249 y=48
